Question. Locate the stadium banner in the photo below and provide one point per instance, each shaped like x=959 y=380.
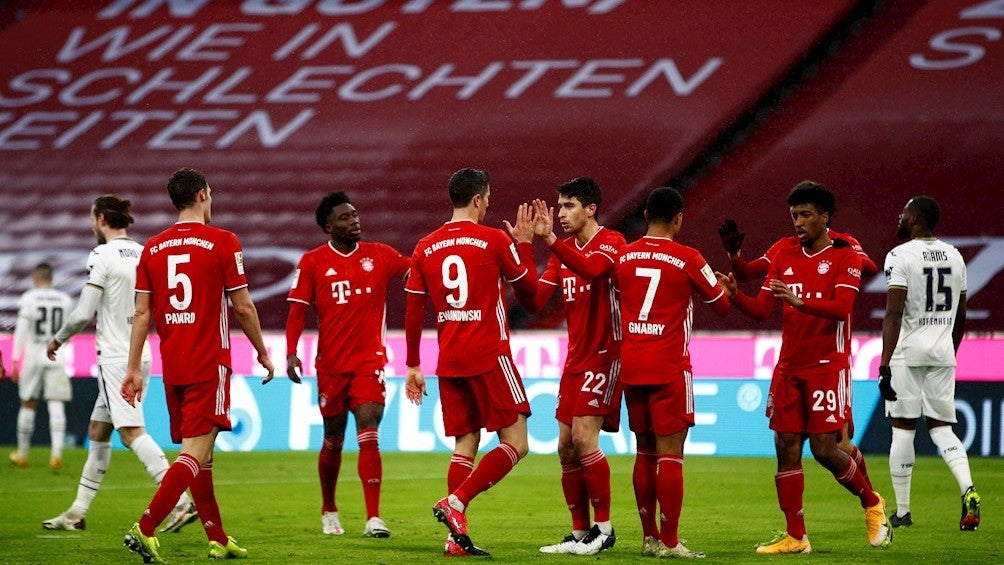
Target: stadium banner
x=541 y=354
x=283 y=416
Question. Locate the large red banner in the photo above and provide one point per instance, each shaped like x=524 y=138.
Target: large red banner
x=282 y=101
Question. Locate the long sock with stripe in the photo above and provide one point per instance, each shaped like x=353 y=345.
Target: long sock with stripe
x=669 y=491
x=99 y=457
x=790 y=488
x=370 y=469
x=495 y=465
x=573 y=486
x=644 y=476
x=209 y=509
x=329 y=463
x=179 y=477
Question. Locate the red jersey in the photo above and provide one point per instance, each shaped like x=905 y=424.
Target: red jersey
x=792 y=242
x=349 y=293
x=460 y=267
x=809 y=341
x=657 y=279
x=592 y=312
x=188 y=269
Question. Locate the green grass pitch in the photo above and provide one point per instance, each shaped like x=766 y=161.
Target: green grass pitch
x=270 y=504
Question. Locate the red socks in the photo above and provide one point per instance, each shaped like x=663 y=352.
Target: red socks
x=669 y=491
x=857 y=484
x=204 y=497
x=573 y=485
x=329 y=462
x=180 y=475
x=790 y=486
x=495 y=465
x=596 y=473
x=645 y=469
x=370 y=469
x=461 y=467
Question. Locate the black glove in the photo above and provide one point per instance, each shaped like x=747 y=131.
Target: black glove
x=732 y=238
x=885 y=383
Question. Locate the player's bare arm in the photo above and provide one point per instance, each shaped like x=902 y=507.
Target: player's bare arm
x=132 y=384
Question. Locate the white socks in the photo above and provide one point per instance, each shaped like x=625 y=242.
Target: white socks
x=57 y=427
x=151 y=456
x=99 y=456
x=954 y=454
x=25 y=429
x=901 y=459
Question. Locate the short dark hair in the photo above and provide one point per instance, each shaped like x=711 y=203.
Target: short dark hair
x=928 y=209
x=43 y=271
x=585 y=189
x=811 y=192
x=663 y=204
x=114 y=209
x=327 y=204
x=184 y=186
x=465 y=183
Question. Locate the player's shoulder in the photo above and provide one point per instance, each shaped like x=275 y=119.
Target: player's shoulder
x=612 y=238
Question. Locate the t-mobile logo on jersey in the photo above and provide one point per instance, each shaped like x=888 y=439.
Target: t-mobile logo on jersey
x=796 y=289
x=341 y=290
x=569 y=288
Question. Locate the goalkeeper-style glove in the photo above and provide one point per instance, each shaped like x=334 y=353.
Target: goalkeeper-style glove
x=732 y=238
x=885 y=383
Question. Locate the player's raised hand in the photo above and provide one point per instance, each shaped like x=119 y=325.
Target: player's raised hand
x=783 y=292
x=522 y=231
x=264 y=361
x=293 y=365
x=543 y=218
x=132 y=386
x=414 y=385
x=732 y=238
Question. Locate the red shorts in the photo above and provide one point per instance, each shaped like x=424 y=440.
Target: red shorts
x=492 y=400
x=337 y=393
x=661 y=409
x=591 y=393
x=848 y=410
x=808 y=402
x=195 y=409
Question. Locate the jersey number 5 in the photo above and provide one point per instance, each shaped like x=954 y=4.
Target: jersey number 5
x=176 y=279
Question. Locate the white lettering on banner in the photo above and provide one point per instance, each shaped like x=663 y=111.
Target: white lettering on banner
x=136 y=9
x=953 y=53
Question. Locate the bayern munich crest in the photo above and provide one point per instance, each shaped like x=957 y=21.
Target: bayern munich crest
x=367 y=264
x=823 y=267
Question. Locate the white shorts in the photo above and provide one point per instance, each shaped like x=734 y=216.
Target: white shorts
x=923 y=391
x=109 y=406
x=37 y=379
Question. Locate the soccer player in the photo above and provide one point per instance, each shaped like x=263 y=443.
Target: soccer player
x=111 y=278
x=925 y=321
x=657 y=279
x=588 y=395
x=346 y=281
x=40 y=313
x=732 y=240
x=817 y=284
x=185 y=275
x=460 y=268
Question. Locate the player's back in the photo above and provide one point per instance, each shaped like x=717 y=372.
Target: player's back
x=41 y=314
x=188 y=268
x=934 y=275
x=657 y=278
x=111 y=266
x=461 y=266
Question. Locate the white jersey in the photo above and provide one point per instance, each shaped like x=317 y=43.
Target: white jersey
x=934 y=276
x=112 y=268
x=41 y=312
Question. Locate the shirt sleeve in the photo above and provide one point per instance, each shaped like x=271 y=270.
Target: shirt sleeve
x=895 y=269
x=233 y=264
x=703 y=279
x=142 y=272
x=302 y=288
x=415 y=283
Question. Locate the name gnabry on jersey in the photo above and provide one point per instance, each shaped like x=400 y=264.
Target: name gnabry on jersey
x=642 y=328
x=455 y=241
